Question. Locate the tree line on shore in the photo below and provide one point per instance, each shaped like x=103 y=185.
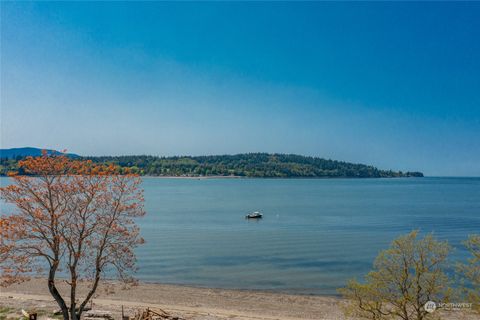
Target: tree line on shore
x=255 y=165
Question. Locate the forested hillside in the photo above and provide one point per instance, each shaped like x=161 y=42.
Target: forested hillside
x=259 y=165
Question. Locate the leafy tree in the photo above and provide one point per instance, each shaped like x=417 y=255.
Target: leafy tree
x=74 y=216
x=404 y=277
x=471 y=271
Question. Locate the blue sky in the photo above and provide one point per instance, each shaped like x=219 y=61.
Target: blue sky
x=396 y=85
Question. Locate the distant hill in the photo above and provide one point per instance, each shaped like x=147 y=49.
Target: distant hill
x=255 y=165
x=19 y=153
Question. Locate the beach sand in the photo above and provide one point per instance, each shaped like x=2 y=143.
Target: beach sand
x=188 y=302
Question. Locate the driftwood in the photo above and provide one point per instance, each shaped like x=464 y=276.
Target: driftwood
x=154 y=314
x=98 y=314
x=29 y=316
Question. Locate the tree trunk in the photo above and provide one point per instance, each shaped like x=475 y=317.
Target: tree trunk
x=90 y=294
x=73 y=289
x=55 y=294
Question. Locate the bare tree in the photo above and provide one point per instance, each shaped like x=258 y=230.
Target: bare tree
x=74 y=216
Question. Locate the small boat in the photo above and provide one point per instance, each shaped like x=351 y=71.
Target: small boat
x=254 y=215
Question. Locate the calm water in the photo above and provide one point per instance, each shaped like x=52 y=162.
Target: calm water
x=314 y=236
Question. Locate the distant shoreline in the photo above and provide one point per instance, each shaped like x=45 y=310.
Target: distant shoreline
x=195 y=178
x=260 y=178
x=273 y=178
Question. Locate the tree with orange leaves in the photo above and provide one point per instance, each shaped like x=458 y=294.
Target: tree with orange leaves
x=73 y=218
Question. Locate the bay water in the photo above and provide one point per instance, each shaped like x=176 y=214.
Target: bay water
x=314 y=236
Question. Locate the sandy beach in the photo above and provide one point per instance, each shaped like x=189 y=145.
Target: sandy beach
x=187 y=302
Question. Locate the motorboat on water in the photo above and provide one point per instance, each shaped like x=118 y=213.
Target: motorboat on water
x=254 y=215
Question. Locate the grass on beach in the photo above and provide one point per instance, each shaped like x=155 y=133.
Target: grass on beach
x=12 y=313
x=6 y=313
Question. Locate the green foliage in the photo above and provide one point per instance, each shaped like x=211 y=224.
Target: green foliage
x=5 y=312
x=470 y=272
x=8 y=165
x=257 y=165
x=404 y=277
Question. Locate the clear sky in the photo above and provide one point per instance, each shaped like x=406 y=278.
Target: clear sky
x=396 y=85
